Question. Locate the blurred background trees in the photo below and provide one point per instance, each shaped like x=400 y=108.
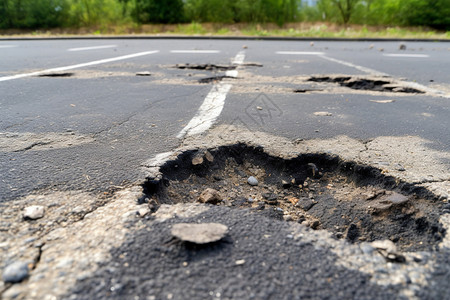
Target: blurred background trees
x=35 y=14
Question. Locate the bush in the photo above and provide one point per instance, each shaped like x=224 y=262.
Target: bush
x=159 y=11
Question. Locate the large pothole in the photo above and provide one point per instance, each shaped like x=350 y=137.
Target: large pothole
x=369 y=84
x=355 y=202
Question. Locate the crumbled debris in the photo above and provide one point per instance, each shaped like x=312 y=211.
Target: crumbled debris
x=210 y=196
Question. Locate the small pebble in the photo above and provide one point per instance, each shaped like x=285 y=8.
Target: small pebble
x=252 y=181
x=33 y=212
x=240 y=262
x=15 y=272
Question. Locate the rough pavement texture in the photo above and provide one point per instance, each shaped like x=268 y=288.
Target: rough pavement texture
x=96 y=247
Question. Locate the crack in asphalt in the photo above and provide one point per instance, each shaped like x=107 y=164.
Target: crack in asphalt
x=144 y=109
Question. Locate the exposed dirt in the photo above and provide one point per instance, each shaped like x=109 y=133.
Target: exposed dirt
x=353 y=201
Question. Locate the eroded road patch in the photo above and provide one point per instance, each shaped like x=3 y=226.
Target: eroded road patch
x=28 y=141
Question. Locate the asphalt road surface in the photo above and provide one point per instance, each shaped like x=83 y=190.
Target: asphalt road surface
x=134 y=117
x=85 y=115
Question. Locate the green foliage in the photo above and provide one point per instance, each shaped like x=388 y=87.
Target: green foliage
x=31 y=13
x=252 y=11
x=433 y=13
x=159 y=11
x=104 y=13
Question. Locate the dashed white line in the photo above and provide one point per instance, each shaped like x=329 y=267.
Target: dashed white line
x=239 y=58
x=92 y=63
x=195 y=51
x=361 y=68
x=92 y=48
x=8 y=46
x=212 y=106
x=231 y=73
x=406 y=55
x=299 y=53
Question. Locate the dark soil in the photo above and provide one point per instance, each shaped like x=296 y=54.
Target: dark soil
x=353 y=201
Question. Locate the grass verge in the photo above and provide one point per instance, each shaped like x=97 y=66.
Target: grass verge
x=300 y=30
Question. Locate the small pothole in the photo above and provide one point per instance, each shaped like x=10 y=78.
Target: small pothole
x=214 y=79
x=206 y=67
x=355 y=202
x=358 y=83
x=65 y=74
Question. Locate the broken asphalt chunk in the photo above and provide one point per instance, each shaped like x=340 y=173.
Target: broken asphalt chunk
x=199 y=233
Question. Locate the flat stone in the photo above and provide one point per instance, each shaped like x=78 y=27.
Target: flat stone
x=15 y=272
x=199 y=233
x=210 y=196
x=252 y=181
x=323 y=114
x=396 y=198
x=33 y=212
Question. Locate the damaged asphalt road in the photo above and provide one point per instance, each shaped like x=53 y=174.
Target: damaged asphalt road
x=328 y=163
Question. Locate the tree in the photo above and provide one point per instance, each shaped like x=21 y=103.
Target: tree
x=346 y=8
x=159 y=11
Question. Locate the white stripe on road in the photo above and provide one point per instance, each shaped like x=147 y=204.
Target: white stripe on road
x=92 y=63
x=239 y=59
x=299 y=53
x=8 y=46
x=406 y=55
x=195 y=51
x=361 y=68
x=208 y=112
x=231 y=73
x=212 y=106
x=92 y=48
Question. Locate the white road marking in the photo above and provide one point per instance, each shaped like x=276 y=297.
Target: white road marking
x=8 y=46
x=212 y=106
x=361 y=68
x=208 y=112
x=231 y=73
x=92 y=48
x=239 y=59
x=92 y=63
x=195 y=51
x=299 y=53
x=406 y=55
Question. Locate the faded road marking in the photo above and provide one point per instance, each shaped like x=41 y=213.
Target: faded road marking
x=212 y=106
x=239 y=58
x=299 y=53
x=92 y=48
x=92 y=63
x=8 y=46
x=208 y=112
x=195 y=51
x=406 y=55
x=361 y=68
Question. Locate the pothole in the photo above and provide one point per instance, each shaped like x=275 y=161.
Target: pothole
x=65 y=74
x=355 y=202
x=214 y=79
x=206 y=67
x=370 y=84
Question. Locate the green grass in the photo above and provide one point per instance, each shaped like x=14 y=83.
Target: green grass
x=302 y=30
